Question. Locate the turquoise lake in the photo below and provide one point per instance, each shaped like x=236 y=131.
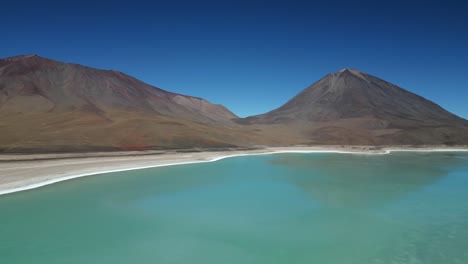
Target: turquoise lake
x=405 y=207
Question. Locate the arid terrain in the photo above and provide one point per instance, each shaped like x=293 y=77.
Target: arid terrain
x=51 y=106
x=47 y=105
x=351 y=107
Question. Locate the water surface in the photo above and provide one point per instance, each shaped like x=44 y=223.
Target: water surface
x=285 y=208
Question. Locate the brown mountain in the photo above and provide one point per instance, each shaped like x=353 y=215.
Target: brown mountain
x=50 y=105
x=46 y=105
x=34 y=84
x=352 y=107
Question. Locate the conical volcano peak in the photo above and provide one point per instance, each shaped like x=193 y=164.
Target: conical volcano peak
x=353 y=99
x=354 y=72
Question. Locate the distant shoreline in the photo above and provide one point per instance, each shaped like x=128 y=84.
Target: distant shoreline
x=21 y=172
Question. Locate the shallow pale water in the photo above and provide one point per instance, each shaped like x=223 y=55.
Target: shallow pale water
x=285 y=208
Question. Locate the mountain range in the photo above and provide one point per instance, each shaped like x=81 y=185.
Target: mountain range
x=50 y=106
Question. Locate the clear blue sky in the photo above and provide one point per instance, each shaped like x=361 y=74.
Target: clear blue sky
x=252 y=56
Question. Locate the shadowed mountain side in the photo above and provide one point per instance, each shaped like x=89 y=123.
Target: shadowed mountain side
x=352 y=107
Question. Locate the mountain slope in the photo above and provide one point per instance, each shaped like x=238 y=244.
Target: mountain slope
x=50 y=105
x=46 y=106
x=34 y=84
x=352 y=107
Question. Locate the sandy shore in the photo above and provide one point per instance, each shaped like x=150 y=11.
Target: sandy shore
x=24 y=172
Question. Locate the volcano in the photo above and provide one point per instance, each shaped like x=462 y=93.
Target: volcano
x=353 y=107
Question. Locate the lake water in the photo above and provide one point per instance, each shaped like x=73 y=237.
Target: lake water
x=285 y=208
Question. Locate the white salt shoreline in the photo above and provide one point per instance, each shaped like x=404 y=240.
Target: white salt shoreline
x=56 y=177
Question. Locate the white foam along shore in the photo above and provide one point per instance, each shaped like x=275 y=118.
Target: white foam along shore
x=31 y=182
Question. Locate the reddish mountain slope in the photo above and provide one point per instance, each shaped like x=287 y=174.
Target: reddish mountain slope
x=34 y=84
x=48 y=105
